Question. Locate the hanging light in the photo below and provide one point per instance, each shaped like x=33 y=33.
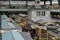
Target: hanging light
x=15 y=30
x=2 y=31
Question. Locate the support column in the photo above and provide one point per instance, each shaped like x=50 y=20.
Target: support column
x=59 y=35
x=26 y=3
x=59 y=2
x=0 y=21
x=50 y=2
x=0 y=28
x=9 y=3
x=44 y=2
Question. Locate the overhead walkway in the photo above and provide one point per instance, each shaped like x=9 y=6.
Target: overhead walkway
x=13 y=9
x=55 y=10
x=46 y=9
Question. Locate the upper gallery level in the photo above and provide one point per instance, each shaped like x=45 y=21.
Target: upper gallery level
x=17 y=0
x=24 y=4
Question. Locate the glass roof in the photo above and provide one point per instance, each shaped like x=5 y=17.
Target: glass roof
x=11 y=35
x=14 y=34
x=7 y=36
x=5 y=24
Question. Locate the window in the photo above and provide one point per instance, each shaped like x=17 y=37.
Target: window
x=44 y=13
x=39 y=13
x=38 y=2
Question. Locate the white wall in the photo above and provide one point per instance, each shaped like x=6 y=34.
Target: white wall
x=47 y=15
x=35 y=18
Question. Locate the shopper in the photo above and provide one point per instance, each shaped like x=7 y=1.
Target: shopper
x=27 y=26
